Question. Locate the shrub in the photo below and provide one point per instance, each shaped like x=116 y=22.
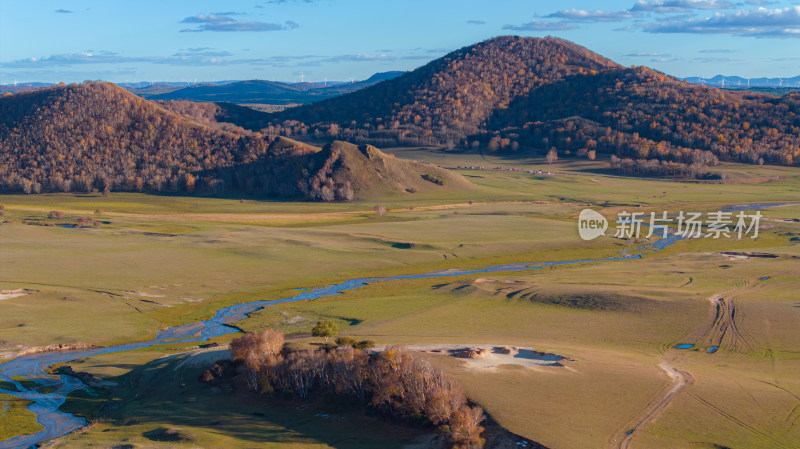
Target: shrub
x=364 y=345
x=346 y=341
x=436 y=179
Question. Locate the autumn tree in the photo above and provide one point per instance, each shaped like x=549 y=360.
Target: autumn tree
x=552 y=155
x=257 y=351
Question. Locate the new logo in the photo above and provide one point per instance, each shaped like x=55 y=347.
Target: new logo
x=591 y=224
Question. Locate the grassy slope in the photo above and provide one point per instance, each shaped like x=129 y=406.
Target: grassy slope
x=155 y=398
x=260 y=250
x=15 y=419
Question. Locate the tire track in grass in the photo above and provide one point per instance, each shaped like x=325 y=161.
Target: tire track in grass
x=719 y=331
x=680 y=380
x=739 y=422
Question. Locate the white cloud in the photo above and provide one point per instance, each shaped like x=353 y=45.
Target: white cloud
x=671 y=6
x=224 y=23
x=761 y=22
x=580 y=15
x=541 y=25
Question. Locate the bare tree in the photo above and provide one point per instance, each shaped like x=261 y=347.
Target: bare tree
x=552 y=155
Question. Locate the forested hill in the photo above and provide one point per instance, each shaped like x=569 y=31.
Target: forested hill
x=527 y=96
x=99 y=136
x=653 y=123
x=452 y=96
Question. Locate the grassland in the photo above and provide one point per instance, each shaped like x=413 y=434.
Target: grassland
x=158 y=261
x=159 y=404
x=15 y=418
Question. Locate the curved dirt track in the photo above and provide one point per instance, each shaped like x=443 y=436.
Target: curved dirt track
x=721 y=331
x=680 y=380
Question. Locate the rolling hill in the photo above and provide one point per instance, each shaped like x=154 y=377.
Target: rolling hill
x=452 y=96
x=99 y=136
x=525 y=96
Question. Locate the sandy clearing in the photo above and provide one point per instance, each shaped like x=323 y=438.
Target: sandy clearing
x=143 y=294
x=15 y=293
x=482 y=356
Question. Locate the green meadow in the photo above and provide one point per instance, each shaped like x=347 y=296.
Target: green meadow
x=159 y=261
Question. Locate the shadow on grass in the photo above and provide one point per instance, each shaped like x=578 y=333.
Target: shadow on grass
x=157 y=403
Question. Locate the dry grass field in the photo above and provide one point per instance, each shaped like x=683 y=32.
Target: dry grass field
x=160 y=261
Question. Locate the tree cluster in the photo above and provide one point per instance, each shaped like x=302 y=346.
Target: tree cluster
x=526 y=95
x=96 y=136
x=643 y=114
x=443 y=101
x=394 y=382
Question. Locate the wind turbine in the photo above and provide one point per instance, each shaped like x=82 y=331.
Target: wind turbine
x=723 y=82
x=325 y=80
x=302 y=77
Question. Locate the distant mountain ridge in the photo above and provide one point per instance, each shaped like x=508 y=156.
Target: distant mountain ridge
x=238 y=91
x=740 y=82
x=267 y=92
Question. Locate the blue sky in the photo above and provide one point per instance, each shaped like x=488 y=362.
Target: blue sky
x=171 y=40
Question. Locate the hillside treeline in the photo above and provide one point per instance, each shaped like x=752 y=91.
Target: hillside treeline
x=446 y=99
x=527 y=96
x=644 y=115
x=393 y=382
x=96 y=136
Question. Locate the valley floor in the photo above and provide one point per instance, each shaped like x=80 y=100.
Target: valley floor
x=160 y=261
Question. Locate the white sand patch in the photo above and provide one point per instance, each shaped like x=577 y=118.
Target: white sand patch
x=143 y=294
x=491 y=356
x=190 y=299
x=15 y=293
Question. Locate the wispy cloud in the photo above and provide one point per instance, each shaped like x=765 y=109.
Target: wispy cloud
x=761 y=22
x=191 y=56
x=225 y=23
x=642 y=9
x=282 y=2
x=476 y=22
x=360 y=57
x=673 y=6
x=541 y=25
x=709 y=60
x=580 y=15
x=200 y=56
x=63 y=11
x=646 y=55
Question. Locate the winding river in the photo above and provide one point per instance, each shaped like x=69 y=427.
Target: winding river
x=57 y=423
